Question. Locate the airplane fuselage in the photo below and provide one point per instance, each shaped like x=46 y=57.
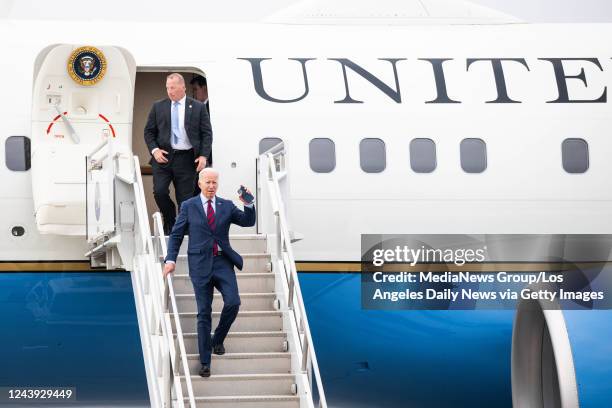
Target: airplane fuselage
x=520 y=89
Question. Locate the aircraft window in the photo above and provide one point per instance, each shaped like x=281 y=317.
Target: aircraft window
x=575 y=155
x=267 y=143
x=17 y=153
x=473 y=155
x=423 y=155
x=372 y=155
x=322 y=155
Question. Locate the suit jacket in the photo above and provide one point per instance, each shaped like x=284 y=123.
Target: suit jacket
x=192 y=220
x=158 y=129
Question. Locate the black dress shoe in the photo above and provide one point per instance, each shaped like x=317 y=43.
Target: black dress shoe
x=219 y=349
x=205 y=370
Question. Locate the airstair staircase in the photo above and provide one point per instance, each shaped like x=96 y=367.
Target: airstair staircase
x=256 y=369
x=270 y=360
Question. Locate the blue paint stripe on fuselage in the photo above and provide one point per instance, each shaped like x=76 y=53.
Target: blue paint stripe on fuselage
x=72 y=330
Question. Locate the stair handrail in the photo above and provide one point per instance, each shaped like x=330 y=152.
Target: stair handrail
x=158 y=295
x=273 y=158
x=169 y=294
x=148 y=273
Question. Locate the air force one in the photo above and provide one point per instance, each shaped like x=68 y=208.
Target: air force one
x=429 y=117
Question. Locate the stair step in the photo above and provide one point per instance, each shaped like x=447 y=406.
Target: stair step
x=253 y=263
x=248 y=301
x=252 y=243
x=247 y=283
x=240 y=385
x=246 y=321
x=244 y=363
x=243 y=342
x=249 y=401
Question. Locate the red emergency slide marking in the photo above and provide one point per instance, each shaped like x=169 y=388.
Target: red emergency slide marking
x=109 y=124
x=55 y=119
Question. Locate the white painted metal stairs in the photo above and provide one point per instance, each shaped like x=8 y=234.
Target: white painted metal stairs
x=256 y=370
x=270 y=360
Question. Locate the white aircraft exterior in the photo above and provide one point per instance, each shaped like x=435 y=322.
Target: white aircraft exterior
x=531 y=100
x=524 y=188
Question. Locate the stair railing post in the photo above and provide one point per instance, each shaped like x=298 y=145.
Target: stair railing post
x=275 y=162
x=167 y=376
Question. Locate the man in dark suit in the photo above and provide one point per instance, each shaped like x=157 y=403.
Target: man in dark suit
x=211 y=259
x=200 y=93
x=200 y=90
x=179 y=137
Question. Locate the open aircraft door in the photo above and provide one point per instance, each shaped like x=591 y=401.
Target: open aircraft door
x=82 y=96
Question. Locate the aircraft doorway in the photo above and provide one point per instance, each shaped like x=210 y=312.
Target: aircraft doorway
x=150 y=87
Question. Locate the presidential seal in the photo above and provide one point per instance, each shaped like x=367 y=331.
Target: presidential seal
x=87 y=65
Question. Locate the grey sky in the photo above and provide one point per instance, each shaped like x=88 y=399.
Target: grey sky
x=534 y=11
x=554 y=11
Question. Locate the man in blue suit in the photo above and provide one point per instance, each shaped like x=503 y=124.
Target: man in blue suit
x=207 y=218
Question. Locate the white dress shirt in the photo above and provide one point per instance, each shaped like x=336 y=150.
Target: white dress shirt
x=183 y=142
x=205 y=203
x=214 y=206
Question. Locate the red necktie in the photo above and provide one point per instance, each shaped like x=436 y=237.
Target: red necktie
x=210 y=216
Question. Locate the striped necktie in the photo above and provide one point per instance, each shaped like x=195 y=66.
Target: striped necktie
x=210 y=216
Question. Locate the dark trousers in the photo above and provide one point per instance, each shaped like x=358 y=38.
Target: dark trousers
x=223 y=278
x=180 y=171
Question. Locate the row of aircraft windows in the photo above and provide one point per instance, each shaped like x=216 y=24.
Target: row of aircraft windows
x=472 y=152
x=372 y=154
